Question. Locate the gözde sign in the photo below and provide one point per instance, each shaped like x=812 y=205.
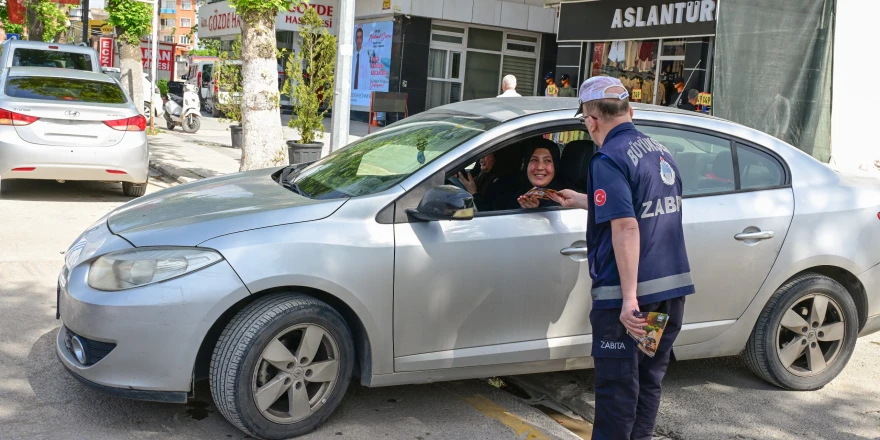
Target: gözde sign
x=219 y=20
x=609 y=20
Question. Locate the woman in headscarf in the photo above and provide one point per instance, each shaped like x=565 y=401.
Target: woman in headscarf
x=497 y=183
x=540 y=163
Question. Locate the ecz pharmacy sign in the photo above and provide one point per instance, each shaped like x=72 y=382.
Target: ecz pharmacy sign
x=609 y=20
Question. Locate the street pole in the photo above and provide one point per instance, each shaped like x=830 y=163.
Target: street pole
x=154 y=65
x=339 y=121
x=85 y=18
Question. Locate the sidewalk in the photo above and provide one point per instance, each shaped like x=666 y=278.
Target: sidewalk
x=184 y=157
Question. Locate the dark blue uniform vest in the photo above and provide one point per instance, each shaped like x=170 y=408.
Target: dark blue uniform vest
x=633 y=175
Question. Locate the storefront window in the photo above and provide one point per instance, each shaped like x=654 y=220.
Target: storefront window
x=481 y=75
x=484 y=39
x=634 y=62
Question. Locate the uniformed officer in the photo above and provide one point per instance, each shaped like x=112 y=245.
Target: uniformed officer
x=637 y=256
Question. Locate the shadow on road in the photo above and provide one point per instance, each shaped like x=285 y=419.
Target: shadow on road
x=53 y=191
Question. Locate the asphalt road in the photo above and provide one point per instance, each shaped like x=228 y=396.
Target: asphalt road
x=39 y=399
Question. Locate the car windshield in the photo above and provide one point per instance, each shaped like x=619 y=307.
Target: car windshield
x=64 y=89
x=51 y=58
x=378 y=162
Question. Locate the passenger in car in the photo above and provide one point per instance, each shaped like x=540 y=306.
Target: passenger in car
x=498 y=183
x=540 y=161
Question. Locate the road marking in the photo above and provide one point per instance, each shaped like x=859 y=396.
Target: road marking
x=493 y=410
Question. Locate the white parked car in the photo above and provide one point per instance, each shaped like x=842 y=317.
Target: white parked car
x=60 y=124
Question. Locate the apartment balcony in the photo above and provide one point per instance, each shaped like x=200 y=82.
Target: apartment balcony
x=167 y=11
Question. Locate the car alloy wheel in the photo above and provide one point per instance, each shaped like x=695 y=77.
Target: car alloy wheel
x=805 y=335
x=810 y=335
x=295 y=373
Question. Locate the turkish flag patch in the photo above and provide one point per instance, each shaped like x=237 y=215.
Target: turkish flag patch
x=599 y=197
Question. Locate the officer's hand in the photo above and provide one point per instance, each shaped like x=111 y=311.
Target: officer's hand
x=567 y=198
x=629 y=320
x=528 y=202
x=470 y=184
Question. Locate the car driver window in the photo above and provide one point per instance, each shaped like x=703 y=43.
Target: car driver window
x=497 y=180
x=705 y=162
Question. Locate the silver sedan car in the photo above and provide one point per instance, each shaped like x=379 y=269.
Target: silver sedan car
x=64 y=124
x=280 y=285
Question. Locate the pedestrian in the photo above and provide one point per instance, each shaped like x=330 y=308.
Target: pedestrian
x=637 y=257
x=552 y=89
x=679 y=84
x=691 y=104
x=508 y=87
x=566 y=91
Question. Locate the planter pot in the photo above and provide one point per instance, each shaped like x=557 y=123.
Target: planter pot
x=236 y=135
x=300 y=153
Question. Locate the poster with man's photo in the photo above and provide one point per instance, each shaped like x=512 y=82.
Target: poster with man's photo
x=371 y=62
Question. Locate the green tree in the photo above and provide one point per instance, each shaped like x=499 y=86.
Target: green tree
x=9 y=28
x=46 y=20
x=262 y=143
x=318 y=53
x=207 y=48
x=132 y=20
x=229 y=83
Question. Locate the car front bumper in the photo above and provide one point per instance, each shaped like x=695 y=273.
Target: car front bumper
x=129 y=159
x=157 y=330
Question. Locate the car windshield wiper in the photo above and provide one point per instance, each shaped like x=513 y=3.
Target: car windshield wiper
x=286 y=180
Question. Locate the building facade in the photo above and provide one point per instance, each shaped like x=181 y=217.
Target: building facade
x=435 y=51
x=176 y=20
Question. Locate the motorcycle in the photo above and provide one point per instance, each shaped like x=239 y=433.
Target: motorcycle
x=183 y=111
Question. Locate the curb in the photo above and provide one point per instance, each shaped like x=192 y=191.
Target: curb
x=173 y=173
x=565 y=389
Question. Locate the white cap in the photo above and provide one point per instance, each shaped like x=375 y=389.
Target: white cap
x=597 y=88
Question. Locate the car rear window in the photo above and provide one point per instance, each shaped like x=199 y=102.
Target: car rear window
x=64 y=89
x=51 y=58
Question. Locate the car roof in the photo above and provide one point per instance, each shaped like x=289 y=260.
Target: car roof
x=506 y=109
x=60 y=73
x=27 y=44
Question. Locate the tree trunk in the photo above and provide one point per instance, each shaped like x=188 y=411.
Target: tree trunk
x=132 y=75
x=35 y=25
x=263 y=141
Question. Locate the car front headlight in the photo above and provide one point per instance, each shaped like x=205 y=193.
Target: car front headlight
x=138 y=267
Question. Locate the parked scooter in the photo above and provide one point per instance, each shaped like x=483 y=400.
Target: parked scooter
x=183 y=111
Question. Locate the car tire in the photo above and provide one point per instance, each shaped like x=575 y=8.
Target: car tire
x=191 y=124
x=797 y=346
x=215 y=112
x=274 y=327
x=133 y=189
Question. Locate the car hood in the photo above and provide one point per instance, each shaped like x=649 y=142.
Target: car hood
x=190 y=214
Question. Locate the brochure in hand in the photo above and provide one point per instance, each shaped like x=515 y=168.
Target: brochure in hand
x=655 y=322
x=541 y=193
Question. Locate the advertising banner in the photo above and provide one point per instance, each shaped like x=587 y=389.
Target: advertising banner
x=165 y=58
x=219 y=20
x=371 y=62
x=106 y=54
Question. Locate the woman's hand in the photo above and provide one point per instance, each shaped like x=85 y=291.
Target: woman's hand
x=470 y=184
x=528 y=202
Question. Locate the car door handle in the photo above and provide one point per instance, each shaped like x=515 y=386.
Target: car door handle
x=760 y=235
x=574 y=251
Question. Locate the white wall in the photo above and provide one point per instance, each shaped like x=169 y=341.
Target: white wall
x=854 y=117
x=527 y=15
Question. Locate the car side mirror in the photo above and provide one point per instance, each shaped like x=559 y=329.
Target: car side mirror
x=445 y=202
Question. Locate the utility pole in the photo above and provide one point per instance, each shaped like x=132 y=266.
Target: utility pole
x=154 y=65
x=85 y=18
x=339 y=121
